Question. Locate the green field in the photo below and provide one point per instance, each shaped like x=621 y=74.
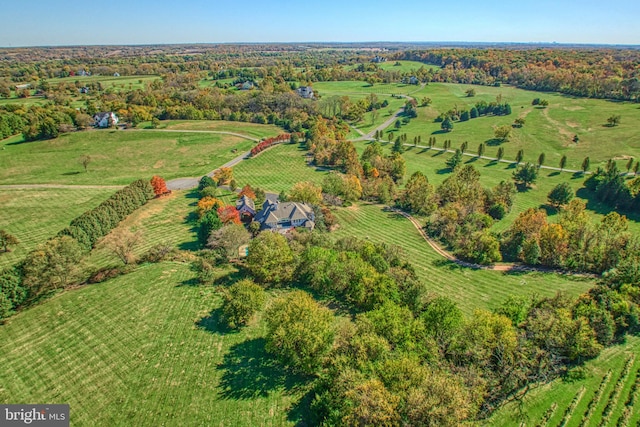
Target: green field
x=470 y=289
x=34 y=215
x=277 y=169
x=141 y=348
x=547 y=130
x=560 y=392
x=117 y=83
x=249 y=129
x=117 y=157
x=363 y=88
x=166 y=220
x=404 y=67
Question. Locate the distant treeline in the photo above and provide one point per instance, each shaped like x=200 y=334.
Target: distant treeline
x=593 y=73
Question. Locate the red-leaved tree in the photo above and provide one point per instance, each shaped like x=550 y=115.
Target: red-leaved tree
x=229 y=214
x=159 y=186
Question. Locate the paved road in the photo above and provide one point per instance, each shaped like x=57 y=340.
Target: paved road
x=491 y=158
x=189 y=183
x=369 y=136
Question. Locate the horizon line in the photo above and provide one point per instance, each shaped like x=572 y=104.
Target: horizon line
x=452 y=43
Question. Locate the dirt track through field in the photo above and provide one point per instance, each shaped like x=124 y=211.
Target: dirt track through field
x=494 y=267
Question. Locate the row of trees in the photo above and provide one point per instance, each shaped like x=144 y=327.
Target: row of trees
x=58 y=262
x=268 y=142
x=91 y=226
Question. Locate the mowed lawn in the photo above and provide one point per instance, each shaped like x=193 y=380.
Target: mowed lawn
x=470 y=289
x=277 y=169
x=34 y=215
x=168 y=220
x=560 y=392
x=252 y=130
x=117 y=157
x=547 y=130
x=144 y=349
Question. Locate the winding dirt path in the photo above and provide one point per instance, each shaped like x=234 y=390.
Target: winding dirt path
x=494 y=267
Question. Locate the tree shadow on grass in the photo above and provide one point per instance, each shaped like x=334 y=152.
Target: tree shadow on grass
x=601 y=208
x=249 y=372
x=439 y=132
x=189 y=282
x=193 y=194
x=493 y=142
x=214 y=323
x=491 y=163
x=554 y=173
x=578 y=175
x=70 y=173
x=444 y=171
x=471 y=160
x=438 y=153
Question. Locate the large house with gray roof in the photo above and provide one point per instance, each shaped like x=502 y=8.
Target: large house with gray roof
x=283 y=216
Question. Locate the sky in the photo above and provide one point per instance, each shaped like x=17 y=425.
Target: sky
x=116 y=22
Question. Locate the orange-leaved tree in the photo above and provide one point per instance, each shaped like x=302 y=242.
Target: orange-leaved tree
x=229 y=214
x=247 y=191
x=159 y=186
x=208 y=203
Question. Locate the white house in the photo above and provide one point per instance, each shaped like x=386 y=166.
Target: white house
x=105 y=120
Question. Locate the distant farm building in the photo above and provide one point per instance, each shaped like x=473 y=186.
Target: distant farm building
x=305 y=92
x=284 y=216
x=378 y=59
x=116 y=74
x=105 y=120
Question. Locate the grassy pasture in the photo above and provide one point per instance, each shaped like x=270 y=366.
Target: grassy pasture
x=470 y=289
x=167 y=220
x=250 y=129
x=277 y=169
x=34 y=215
x=547 y=130
x=358 y=90
x=142 y=349
x=118 y=157
x=117 y=83
x=406 y=66
x=562 y=393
